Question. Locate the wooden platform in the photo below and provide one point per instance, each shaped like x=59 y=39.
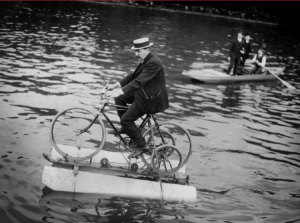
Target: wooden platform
x=61 y=179
x=117 y=179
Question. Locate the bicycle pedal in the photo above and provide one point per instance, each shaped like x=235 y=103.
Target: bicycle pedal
x=136 y=154
x=133 y=157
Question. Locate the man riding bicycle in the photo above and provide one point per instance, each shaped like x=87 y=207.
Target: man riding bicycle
x=145 y=89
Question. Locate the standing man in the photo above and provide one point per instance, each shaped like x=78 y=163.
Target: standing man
x=248 y=49
x=236 y=50
x=145 y=89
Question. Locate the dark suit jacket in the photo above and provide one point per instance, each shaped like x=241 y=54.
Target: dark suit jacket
x=148 y=85
x=248 y=49
x=235 y=47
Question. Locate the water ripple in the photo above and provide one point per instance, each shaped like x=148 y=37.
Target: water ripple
x=245 y=162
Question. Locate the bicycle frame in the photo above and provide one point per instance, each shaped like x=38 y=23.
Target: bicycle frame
x=118 y=107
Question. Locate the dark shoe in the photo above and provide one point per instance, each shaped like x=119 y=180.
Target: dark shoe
x=135 y=154
x=139 y=148
x=138 y=152
x=120 y=131
x=138 y=144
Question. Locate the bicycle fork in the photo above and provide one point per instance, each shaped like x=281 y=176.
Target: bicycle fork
x=87 y=128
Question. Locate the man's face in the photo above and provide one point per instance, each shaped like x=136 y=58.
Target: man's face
x=260 y=52
x=247 y=38
x=240 y=36
x=141 y=53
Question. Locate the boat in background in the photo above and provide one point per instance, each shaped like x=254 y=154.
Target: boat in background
x=214 y=73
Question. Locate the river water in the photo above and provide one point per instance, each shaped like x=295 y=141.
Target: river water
x=245 y=163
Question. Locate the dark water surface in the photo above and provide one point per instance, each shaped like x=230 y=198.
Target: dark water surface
x=245 y=163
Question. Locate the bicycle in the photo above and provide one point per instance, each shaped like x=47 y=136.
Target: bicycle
x=84 y=129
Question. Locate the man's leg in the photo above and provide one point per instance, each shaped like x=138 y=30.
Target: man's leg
x=252 y=71
x=127 y=121
x=236 y=64
x=123 y=100
x=243 y=60
x=230 y=65
x=259 y=71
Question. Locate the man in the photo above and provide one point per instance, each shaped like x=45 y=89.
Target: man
x=247 y=47
x=145 y=89
x=236 y=50
x=259 y=61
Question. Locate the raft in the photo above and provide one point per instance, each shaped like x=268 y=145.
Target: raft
x=114 y=177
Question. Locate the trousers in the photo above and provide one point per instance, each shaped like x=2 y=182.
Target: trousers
x=258 y=70
x=243 y=59
x=128 y=117
x=234 y=61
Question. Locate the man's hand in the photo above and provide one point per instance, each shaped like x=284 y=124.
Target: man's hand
x=115 y=93
x=110 y=87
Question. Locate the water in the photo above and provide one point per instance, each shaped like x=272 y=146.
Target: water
x=245 y=163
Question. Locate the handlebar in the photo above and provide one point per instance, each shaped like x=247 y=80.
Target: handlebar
x=104 y=98
x=103 y=94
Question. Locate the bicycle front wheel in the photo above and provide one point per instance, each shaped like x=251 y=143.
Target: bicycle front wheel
x=77 y=134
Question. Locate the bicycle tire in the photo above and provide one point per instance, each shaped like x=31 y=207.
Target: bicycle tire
x=183 y=139
x=162 y=157
x=168 y=139
x=64 y=133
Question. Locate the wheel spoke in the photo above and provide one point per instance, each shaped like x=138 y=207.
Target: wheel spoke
x=165 y=165
x=170 y=134
x=65 y=130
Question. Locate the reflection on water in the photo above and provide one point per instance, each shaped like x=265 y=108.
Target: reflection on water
x=96 y=208
x=245 y=163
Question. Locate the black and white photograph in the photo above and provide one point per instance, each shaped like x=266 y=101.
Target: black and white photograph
x=149 y=111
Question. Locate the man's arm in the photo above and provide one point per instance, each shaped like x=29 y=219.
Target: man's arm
x=118 y=84
x=230 y=49
x=149 y=71
x=250 y=47
x=263 y=62
x=253 y=59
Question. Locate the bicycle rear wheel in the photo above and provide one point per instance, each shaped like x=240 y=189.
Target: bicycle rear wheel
x=77 y=134
x=181 y=138
x=159 y=138
x=167 y=160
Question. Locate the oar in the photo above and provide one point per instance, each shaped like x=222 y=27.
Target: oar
x=282 y=81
